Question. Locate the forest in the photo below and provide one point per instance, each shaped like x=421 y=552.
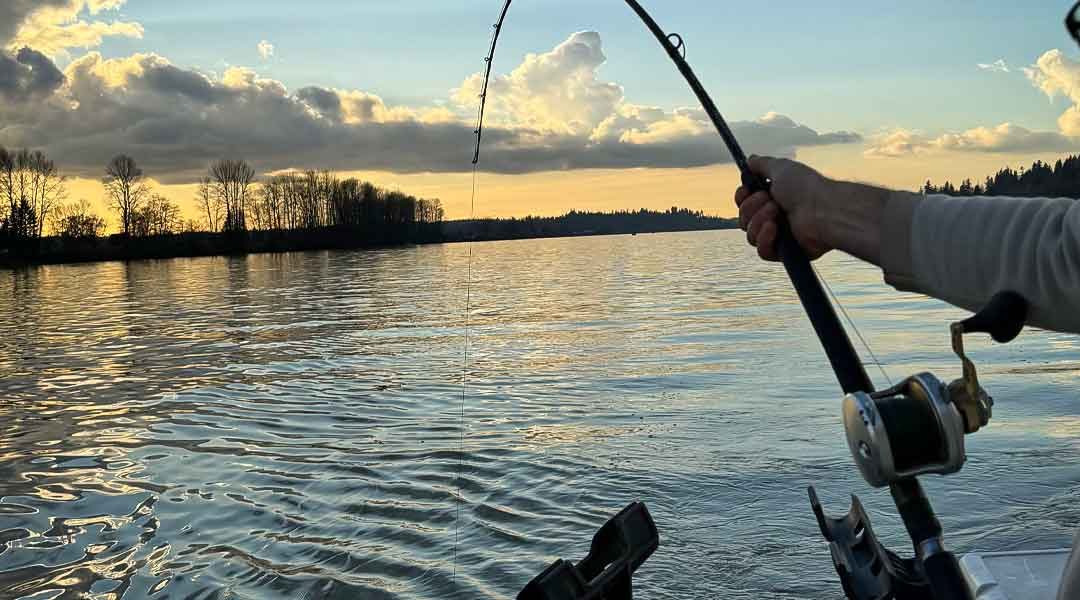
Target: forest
x=238 y=213
x=1062 y=179
x=305 y=210
x=576 y=223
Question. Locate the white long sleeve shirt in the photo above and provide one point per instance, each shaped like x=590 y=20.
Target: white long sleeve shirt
x=965 y=250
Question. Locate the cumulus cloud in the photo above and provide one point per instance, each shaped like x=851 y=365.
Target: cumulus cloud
x=555 y=92
x=998 y=66
x=266 y=50
x=560 y=99
x=54 y=26
x=1054 y=73
x=896 y=143
x=552 y=112
x=27 y=75
x=1004 y=138
x=14 y=12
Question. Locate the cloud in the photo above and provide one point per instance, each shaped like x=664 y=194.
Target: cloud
x=560 y=99
x=1056 y=74
x=998 y=66
x=14 y=12
x=266 y=50
x=555 y=92
x=1004 y=138
x=28 y=75
x=54 y=26
x=552 y=112
x=1053 y=73
x=896 y=143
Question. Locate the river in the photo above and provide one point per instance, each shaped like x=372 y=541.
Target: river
x=290 y=425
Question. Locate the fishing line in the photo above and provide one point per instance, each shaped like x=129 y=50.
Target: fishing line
x=468 y=298
x=851 y=322
x=804 y=278
x=464 y=378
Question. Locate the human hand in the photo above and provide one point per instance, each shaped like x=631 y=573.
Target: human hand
x=797 y=190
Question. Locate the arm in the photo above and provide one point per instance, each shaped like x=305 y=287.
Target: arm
x=961 y=250
x=964 y=250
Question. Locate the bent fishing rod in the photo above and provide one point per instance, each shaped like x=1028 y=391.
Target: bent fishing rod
x=912 y=429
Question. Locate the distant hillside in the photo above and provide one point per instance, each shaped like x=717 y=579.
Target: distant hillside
x=1062 y=179
x=577 y=223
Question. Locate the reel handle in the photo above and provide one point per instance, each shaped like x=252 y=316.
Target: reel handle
x=1003 y=317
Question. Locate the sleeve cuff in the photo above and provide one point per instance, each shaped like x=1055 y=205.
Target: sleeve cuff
x=896 y=242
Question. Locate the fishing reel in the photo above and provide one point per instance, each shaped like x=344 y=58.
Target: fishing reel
x=918 y=427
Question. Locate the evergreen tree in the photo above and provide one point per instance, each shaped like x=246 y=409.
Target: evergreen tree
x=1062 y=179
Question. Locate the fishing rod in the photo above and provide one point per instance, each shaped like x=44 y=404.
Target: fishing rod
x=845 y=362
x=912 y=429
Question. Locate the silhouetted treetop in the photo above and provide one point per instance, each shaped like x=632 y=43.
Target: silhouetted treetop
x=1062 y=179
x=126 y=188
x=587 y=223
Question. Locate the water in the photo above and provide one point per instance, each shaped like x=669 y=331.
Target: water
x=287 y=426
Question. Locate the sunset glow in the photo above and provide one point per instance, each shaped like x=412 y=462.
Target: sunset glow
x=578 y=118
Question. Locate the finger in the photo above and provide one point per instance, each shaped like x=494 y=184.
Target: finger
x=741 y=195
x=750 y=207
x=767 y=214
x=766 y=239
x=762 y=165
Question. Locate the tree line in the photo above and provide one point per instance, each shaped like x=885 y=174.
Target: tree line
x=1062 y=179
x=31 y=188
x=230 y=199
x=577 y=222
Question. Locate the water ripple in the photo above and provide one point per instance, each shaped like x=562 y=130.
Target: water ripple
x=286 y=426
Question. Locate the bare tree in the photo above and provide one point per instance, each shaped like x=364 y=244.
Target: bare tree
x=157 y=216
x=231 y=182
x=7 y=188
x=47 y=186
x=31 y=186
x=209 y=203
x=126 y=186
x=271 y=203
x=77 y=220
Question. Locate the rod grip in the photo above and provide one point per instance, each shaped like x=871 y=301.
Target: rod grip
x=845 y=361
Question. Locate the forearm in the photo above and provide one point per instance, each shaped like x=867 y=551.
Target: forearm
x=852 y=216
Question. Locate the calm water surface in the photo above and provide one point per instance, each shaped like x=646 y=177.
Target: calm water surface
x=287 y=426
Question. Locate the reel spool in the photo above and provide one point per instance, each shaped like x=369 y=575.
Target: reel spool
x=918 y=427
x=908 y=430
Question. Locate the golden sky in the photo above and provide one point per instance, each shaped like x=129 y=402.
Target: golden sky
x=576 y=118
x=708 y=189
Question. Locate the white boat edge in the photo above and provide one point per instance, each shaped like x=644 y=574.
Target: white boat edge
x=987 y=576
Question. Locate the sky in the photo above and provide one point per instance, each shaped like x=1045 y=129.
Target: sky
x=585 y=109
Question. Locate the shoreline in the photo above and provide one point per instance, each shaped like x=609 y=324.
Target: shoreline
x=199 y=245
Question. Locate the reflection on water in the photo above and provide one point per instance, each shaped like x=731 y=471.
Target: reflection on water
x=287 y=426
